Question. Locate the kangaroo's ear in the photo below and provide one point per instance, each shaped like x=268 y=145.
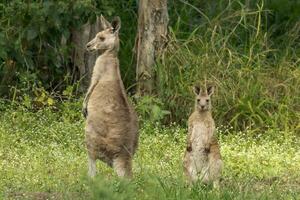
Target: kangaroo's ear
x=104 y=23
x=116 y=24
x=196 y=90
x=98 y=24
x=210 y=90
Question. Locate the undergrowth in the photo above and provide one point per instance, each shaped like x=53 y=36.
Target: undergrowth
x=248 y=49
x=257 y=76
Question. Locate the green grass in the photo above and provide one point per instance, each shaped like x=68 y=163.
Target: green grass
x=42 y=156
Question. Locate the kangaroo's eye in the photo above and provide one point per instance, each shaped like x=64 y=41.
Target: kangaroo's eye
x=102 y=38
x=207 y=100
x=198 y=100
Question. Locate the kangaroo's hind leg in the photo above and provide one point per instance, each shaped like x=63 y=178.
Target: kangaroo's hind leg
x=215 y=169
x=190 y=168
x=91 y=166
x=123 y=166
x=90 y=138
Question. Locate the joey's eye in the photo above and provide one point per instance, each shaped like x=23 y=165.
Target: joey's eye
x=102 y=38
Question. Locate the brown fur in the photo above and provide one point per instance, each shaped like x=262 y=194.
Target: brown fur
x=202 y=159
x=111 y=123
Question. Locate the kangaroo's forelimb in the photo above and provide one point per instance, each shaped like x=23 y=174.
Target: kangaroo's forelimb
x=86 y=98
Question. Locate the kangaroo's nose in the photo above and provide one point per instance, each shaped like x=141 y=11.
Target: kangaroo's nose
x=202 y=107
x=88 y=45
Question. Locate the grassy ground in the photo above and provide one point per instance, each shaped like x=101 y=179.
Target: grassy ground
x=42 y=156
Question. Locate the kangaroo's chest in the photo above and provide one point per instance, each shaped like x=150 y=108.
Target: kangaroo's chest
x=201 y=135
x=107 y=95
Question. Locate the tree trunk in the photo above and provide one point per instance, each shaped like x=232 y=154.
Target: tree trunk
x=82 y=59
x=9 y=71
x=150 y=41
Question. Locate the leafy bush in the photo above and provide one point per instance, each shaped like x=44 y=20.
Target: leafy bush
x=151 y=109
x=257 y=77
x=35 y=40
x=249 y=49
x=33 y=35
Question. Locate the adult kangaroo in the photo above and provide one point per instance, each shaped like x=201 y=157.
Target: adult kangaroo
x=111 y=122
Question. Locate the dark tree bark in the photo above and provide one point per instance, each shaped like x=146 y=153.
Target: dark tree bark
x=8 y=74
x=81 y=59
x=150 y=41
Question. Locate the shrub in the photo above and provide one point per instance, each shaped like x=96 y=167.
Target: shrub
x=257 y=76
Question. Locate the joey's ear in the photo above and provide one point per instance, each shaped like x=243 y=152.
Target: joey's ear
x=104 y=23
x=116 y=24
x=196 y=90
x=210 y=90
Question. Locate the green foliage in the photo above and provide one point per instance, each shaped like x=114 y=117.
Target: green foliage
x=44 y=156
x=33 y=34
x=284 y=11
x=249 y=49
x=151 y=109
x=256 y=75
x=35 y=37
